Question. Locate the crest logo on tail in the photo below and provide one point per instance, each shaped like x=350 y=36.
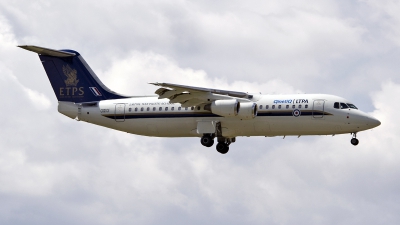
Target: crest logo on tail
x=71 y=76
x=71 y=90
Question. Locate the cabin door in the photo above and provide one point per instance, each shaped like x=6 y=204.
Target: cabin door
x=119 y=112
x=318 y=108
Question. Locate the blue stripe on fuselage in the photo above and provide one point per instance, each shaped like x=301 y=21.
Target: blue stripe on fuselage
x=186 y=115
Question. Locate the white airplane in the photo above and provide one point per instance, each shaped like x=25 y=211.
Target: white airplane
x=186 y=111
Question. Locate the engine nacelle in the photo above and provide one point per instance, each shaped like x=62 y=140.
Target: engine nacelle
x=248 y=110
x=225 y=108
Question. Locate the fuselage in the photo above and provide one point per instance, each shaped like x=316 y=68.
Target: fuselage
x=278 y=115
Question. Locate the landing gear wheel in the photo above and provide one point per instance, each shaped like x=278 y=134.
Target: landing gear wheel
x=207 y=141
x=222 y=148
x=354 y=141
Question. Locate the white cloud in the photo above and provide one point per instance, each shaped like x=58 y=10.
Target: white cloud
x=386 y=111
x=7 y=45
x=39 y=100
x=131 y=76
x=36 y=99
x=6 y=34
x=386 y=15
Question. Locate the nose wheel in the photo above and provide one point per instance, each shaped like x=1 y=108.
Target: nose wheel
x=354 y=141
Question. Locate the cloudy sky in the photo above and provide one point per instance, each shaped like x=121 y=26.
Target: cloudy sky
x=54 y=170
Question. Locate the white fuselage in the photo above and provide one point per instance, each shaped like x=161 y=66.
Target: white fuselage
x=278 y=115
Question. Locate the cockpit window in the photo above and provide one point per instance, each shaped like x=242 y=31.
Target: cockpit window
x=343 y=105
x=336 y=105
x=352 y=106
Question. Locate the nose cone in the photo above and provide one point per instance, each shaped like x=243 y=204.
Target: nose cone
x=362 y=120
x=373 y=122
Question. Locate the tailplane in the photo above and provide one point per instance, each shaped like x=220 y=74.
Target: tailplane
x=71 y=77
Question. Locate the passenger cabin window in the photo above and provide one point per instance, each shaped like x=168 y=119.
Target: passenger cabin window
x=343 y=106
x=148 y=108
x=179 y=108
x=172 y=108
x=279 y=106
x=336 y=105
x=160 y=109
x=135 y=109
x=299 y=106
x=260 y=106
x=287 y=106
x=186 y=108
x=293 y=106
x=166 y=108
x=130 y=109
x=141 y=109
x=273 y=107
x=192 y=108
x=267 y=107
x=306 y=106
x=154 y=108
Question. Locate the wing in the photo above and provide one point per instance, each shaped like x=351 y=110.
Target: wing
x=189 y=96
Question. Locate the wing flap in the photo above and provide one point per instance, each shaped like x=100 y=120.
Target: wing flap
x=189 y=96
x=169 y=94
x=200 y=89
x=192 y=102
x=180 y=98
x=161 y=91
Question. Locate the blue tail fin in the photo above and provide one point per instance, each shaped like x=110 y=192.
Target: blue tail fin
x=71 y=77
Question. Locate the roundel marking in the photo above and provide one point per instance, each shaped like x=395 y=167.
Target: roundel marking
x=296 y=113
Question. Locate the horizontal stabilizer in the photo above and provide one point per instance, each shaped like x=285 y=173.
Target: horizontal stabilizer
x=46 y=51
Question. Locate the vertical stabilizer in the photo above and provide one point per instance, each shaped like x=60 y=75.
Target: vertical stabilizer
x=71 y=77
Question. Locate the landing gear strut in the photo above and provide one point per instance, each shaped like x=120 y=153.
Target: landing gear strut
x=207 y=140
x=354 y=141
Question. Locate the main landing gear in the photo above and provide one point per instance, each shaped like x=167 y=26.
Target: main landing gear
x=207 y=140
x=354 y=141
x=223 y=143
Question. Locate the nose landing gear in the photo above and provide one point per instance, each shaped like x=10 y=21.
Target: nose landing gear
x=354 y=141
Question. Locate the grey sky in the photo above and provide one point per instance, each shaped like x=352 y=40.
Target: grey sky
x=54 y=170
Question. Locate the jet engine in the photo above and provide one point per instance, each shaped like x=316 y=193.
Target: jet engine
x=225 y=108
x=248 y=110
